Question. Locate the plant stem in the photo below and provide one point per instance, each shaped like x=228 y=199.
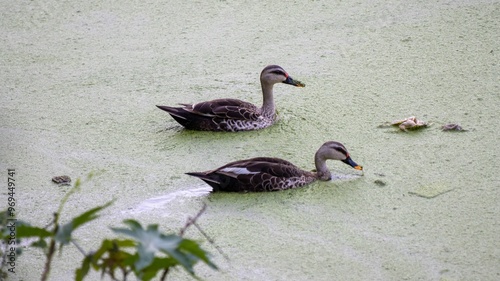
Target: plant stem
x=164 y=275
x=211 y=241
x=52 y=249
x=79 y=248
x=46 y=270
x=192 y=221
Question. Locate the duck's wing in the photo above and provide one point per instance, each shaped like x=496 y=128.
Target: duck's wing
x=218 y=115
x=225 y=109
x=255 y=175
x=271 y=160
x=260 y=166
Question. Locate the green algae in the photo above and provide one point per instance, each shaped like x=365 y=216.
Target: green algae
x=80 y=85
x=431 y=190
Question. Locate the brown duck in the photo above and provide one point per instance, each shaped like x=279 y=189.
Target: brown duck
x=273 y=174
x=231 y=114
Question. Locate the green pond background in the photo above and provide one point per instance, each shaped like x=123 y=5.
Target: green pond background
x=79 y=85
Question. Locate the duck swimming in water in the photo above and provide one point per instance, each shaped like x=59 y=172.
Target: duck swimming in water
x=273 y=174
x=231 y=114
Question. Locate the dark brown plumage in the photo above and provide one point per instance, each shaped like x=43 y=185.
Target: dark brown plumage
x=272 y=174
x=232 y=114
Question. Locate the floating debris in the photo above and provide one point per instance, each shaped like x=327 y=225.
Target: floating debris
x=431 y=190
x=410 y=123
x=379 y=182
x=62 y=180
x=452 y=127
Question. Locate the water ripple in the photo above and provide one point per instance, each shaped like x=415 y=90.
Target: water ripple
x=164 y=200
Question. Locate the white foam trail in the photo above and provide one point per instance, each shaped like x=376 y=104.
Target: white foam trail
x=164 y=200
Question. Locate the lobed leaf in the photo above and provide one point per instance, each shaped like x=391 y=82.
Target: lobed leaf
x=108 y=258
x=194 y=248
x=158 y=264
x=150 y=240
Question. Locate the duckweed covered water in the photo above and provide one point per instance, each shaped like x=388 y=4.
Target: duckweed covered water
x=80 y=83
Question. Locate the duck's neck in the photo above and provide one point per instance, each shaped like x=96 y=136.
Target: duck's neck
x=321 y=169
x=268 y=108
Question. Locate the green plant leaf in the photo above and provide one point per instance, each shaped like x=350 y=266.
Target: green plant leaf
x=158 y=264
x=184 y=259
x=108 y=258
x=145 y=257
x=84 y=270
x=132 y=223
x=40 y=244
x=194 y=248
x=89 y=215
x=24 y=231
x=106 y=246
x=150 y=241
x=63 y=234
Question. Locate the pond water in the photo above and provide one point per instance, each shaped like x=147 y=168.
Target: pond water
x=80 y=82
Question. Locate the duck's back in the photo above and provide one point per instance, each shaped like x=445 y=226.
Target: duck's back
x=220 y=115
x=261 y=174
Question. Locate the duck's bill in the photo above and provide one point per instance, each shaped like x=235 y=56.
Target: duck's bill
x=289 y=80
x=353 y=164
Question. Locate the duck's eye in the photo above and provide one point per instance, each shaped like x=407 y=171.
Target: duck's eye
x=278 y=72
x=341 y=150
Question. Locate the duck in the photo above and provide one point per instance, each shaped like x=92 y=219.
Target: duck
x=233 y=115
x=263 y=174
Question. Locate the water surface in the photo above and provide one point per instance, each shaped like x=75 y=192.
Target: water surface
x=80 y=82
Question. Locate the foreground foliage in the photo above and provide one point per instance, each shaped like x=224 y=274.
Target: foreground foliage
x=146 y=254
x=6 y=244
x=154 y=252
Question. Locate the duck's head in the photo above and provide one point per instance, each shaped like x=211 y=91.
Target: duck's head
x=336 y=151
x=273 y=74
